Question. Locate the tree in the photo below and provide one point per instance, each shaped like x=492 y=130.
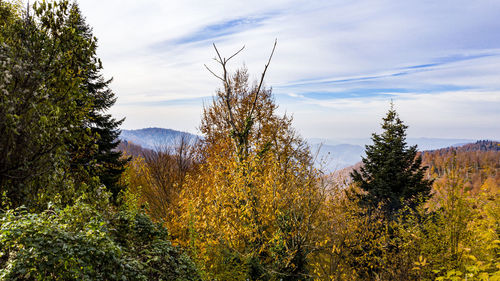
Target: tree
x=56 y=139
x=158 y=176
x=391 y=173
x=102 y=129
x=251 y=211
x=37 y=107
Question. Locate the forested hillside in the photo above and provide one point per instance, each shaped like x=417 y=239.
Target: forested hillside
x=477 y=163
x=243 y=202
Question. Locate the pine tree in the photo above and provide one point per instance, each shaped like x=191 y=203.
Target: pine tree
x=391 y=173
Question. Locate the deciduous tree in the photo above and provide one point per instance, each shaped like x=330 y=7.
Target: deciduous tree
x=57 y=141
x=251 y=211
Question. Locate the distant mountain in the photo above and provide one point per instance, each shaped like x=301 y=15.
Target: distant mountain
x=477 y=161
x=436 y=143
x=334 y=155
x=155 y=138
x=482 y=145
x=331 y=155
x=423 y=143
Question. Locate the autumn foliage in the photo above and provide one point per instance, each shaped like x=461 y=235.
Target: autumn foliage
x=248 y=204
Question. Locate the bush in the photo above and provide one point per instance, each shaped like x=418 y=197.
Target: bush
x=78 y=243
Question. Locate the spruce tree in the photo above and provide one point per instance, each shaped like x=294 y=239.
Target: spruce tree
x=100 y=158
x=391 y=174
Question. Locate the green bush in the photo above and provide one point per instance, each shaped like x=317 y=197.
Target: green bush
x=78 y=243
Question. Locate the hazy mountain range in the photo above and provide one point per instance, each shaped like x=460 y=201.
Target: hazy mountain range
x=330 y=154
x=156 y=138
x=333 y=155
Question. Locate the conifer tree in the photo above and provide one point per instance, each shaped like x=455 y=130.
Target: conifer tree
x=391 y=173
x=100 y=128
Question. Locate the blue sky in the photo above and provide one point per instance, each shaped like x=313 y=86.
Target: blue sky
x=337 y=64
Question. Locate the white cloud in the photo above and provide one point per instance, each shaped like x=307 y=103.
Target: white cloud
x=466 y=114
x=317 y=40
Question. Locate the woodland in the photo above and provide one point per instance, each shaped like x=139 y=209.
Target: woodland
x=244 y=202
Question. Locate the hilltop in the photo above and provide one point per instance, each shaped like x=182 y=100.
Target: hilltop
x=156 y=138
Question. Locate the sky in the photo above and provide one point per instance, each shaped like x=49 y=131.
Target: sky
x=336 y=67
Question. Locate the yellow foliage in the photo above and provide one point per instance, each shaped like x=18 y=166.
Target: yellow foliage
x=251 y=210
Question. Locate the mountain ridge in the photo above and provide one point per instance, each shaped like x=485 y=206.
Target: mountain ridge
x=155 y=137
x=331 y=155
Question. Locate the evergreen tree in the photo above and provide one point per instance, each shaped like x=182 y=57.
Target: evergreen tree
x=391 y=173
x=100 y=157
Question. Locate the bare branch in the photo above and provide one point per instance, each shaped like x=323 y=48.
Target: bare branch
x=224 y=79
x=214 y=73
x=262 y=79
x=218 y=54
x=236 y=53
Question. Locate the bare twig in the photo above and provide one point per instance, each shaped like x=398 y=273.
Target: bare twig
x=225 y=80
x=218 y=54
x=235 y=53
x=262 y=79
x=213 y=73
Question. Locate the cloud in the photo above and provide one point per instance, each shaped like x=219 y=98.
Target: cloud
x=215 y=31
x=337 y=63
x=394 y=73
x=444 y=114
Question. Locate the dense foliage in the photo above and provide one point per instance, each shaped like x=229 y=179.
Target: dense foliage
x=79 y=243
x=245 y=202
x=60 y=171
x=56 y=138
